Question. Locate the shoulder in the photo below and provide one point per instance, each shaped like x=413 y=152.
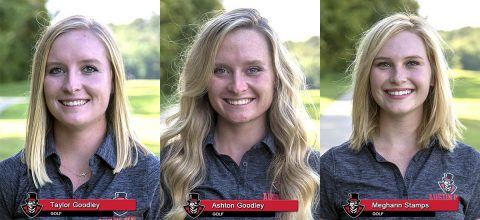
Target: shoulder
x=341 y=152
x=150 y=162
x=12 y=167
x=465 y=151
x=314 y=160
x=14 y=178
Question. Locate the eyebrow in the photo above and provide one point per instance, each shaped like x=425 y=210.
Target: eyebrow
x=96 y=61
x=248 y=62
x=408 y=57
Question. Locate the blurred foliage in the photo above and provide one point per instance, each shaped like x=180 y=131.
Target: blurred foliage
x=139 y=44
x=342 y=23
x=464 y=45
x=18 y=32
x=307 y=54
x=179 y=21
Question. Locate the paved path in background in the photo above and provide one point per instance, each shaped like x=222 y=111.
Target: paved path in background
x=5 y=102
x=336 y=123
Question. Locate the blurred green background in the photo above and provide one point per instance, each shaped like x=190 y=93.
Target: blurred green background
x=339 y=33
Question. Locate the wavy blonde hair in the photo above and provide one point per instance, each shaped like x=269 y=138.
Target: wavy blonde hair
x=439 y=120
x=39 y=119
x=183 y=166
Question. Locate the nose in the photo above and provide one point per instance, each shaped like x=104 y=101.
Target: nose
x=398 y=75
x=238 y=83
x=72 y=82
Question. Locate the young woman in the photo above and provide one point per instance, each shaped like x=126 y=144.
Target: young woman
x=404 y=140
x=239 y=132
x=79 y=141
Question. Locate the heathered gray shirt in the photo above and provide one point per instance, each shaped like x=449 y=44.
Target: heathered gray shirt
x=226 y=180
x=367 y=173
x=140 y=182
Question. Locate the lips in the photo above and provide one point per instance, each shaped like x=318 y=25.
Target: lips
x=244 y=101
x=74 y=103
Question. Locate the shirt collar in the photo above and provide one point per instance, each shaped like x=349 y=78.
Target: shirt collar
x=106 y=151
x=268 y=140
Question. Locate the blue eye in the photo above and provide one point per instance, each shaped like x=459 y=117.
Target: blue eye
x=413 y=63
x=220 y=71
x=89 y=69
x=253 y=70
x=56 y=71
x=384 y=65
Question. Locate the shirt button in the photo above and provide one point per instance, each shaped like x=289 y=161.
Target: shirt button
x=244 y=164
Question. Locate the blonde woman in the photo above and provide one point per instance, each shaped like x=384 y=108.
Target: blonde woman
x=79 y=141
x=239 y=132
x=404 y=140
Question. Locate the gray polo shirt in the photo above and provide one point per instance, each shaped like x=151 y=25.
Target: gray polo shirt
x=140 y=182
x=226 y=180
x=367 y=173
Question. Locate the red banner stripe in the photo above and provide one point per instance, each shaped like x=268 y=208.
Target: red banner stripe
x=250 y=205
x=410 y=205
x=88 y=204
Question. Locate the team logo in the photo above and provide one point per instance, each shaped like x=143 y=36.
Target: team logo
x=353 y=208
x=31 y=208
x=194 y=208
x=120 y=196
x=447 y=184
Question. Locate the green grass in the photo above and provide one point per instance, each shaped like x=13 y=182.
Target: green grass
x=144 y=99
x=15 y=89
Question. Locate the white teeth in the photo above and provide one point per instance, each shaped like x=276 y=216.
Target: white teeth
x=239 y=101
x=399 y=93
x=74 y=103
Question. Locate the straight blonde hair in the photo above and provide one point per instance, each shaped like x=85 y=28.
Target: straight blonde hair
x=39 y=120
x=439 y=120
x=183 y=166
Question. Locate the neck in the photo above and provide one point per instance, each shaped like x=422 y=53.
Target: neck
x=78 y=145
x=235 y=140
x=399 y=132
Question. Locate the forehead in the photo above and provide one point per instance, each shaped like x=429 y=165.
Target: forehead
x=83 y=43
x=245 y=40
x=404 y=43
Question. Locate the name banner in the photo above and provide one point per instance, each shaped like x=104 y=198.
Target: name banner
x=250 y=205
x=88 y=204
x=410 y=205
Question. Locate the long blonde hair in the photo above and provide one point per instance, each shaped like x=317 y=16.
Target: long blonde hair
x=439 y=120
x=183 y=166
x=39 y=120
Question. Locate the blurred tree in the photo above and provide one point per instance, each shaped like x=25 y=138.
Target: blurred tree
x=19 y=28
x=179 y=20
x=139 y=43
x=343 y=21
x=463 y=43
x=307 y=54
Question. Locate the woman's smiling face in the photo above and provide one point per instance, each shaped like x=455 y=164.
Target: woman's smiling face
x=241 y=87
x=78 y=79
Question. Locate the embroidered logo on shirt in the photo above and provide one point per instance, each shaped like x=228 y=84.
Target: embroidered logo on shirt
x=270 y=196
x=194 y=208
x=119 y=196
x=353 y=208
x=447 y=184
x=31 y=208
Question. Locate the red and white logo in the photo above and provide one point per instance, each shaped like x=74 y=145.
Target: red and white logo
x=31 y=208
x=447 y=184
x=194 y=208
x=353 y=208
